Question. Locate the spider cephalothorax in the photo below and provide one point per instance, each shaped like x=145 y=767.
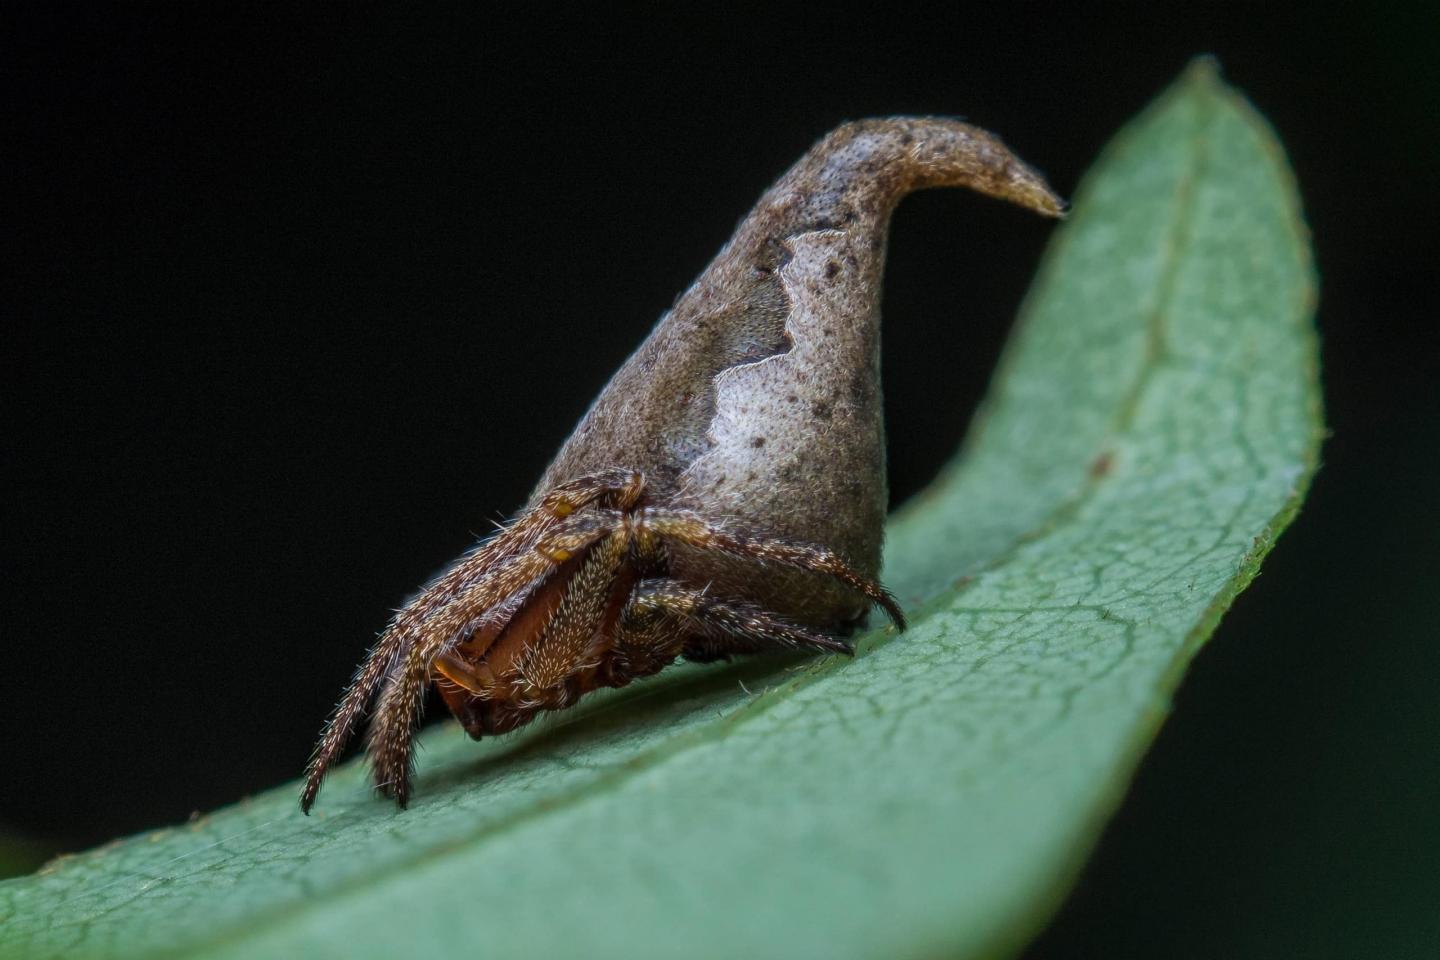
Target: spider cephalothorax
x=726 y=492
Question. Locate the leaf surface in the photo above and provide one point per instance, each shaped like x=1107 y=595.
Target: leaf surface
x=1152 y=428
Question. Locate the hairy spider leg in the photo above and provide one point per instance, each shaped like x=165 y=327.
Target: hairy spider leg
x=569 y=639
x=622 y=487
x=716 y=627
x=470 y=664
x=380 y=663
x=664 y=619
x=646 y=640
x=724 y=627
x=569 y=648
x=691 y=529
x=596 y=625
x=465 y=675
x=552 y=650
x=397 y=712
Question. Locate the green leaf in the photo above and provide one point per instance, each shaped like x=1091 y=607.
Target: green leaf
x=1152 y=428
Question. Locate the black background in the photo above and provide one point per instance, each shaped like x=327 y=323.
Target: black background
x=296 y=303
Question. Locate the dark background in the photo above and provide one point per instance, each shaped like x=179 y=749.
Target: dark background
x=296 y=303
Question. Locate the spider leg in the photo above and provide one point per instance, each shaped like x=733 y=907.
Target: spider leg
x=683 y=526
x=340 y=727
x=616 y=488
x=397 y=712
x=715 y=628
x=383 y=659
x=568 y=639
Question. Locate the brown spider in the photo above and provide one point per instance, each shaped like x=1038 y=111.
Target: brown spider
x=574 y=595
x=724 y=495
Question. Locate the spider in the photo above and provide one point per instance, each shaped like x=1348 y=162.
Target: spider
x=573 y=595
x=726 y=492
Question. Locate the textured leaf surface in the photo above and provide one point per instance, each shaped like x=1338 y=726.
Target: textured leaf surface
x=1152 y=428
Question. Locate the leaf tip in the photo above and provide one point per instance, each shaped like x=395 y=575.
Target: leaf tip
x=1203 y=71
